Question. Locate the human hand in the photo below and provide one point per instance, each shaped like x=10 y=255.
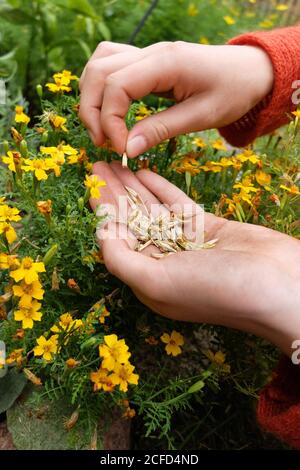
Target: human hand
x=212 y=85
x=249 y=281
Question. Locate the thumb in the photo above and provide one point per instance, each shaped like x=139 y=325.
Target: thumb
x=121 y=260
x=193 y=114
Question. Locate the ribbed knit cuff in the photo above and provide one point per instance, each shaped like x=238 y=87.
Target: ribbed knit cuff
x=278 y=410
x=283 y=47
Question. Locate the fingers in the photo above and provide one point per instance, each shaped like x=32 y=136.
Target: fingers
x=177 y=201
x=155 y=73
x=131 y=267
x=107 y=59
x=105 y=49
x=92 y=87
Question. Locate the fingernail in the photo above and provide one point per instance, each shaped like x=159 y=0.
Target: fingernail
x=136 y=145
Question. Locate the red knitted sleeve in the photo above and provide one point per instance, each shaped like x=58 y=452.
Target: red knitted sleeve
x=283 y=48
x=278 y=408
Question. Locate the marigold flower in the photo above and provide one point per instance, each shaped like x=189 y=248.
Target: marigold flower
x=27 y=292
x=199 y=142
x=263 y=179
x=80 y=157
x=8 y=261
x=218 y=145
x=248 y=156
x=8 y=231
x=173 y=343
x=66 y=324
x=58 y=122
x=293 y=189
x=101 y=380
x=229 y=20
x=123 y=376
x=46 y=347
x=28 y=270
x=15 y=357
x=296 y=113
x=114 y=352
x=16 y=135
x=101 y=311
x=13 y=160
x=27 y=314
x=71 y=363
x=151 y=340
x=93 y=183
x=9 y=214
x=44 y=207
x=37 y=166
x=20 y=116
x=61 y=82
x=72 y=284
x=129 y=413
x=20 y=333
x=218 y=359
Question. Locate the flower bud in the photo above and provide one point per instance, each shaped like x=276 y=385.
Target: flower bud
x=80 y=203
x=44 y=138
x=39 y=90
x=5 y=146
x=24 y=148
x=50 y=254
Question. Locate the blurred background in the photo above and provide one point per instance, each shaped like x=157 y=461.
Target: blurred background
x=38 y=37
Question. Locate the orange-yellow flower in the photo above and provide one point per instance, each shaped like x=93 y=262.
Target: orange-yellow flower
x=15 y=357
x=27 y=292
x=20 y=116
x=44 y=207
x=101 y=380
x=28 y=270
x=27 y=314
x=123 y=375
x=173 y=343
x=13 y=160
x=8 y=231
x=46 y=347
x=114 y=352
x=93 y=184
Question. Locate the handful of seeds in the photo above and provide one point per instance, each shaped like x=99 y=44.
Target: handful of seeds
x=165 y=231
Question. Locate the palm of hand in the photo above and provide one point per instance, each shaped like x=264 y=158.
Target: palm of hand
x=245 y=282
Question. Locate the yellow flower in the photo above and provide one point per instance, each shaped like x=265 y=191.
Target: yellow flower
x=38 y=167
x=296 y=113
x=263 y=179
x=188 y=163
x=192 y=10
x=66 y=324
x=203 y=40
x=8 y=261
x=100 y=311
x=44 y=207
x=46 y=347
x=114 y=352
x=173 y=343
x=27 y=314
x=9 y=214
x=218 y=144
x=281 y=7
x=80 y=157
x=247 y=156
x=142 y=112
x=215 y=167
x=66 y=76
x=246 y=186
x=123 y=376
x=13 y=160
x=8 y=231
x=129 y=413
x=266 y=24
x=71 y=363
x=28 y=270
x=229 y=20
x=218 y=359
x=292 y=189
x=199 y=142
x=28 y=291
x=93 y=183
x=15 y=357
x=61 y=82
x=58 y=123
x=20 y=116
x=102 y=380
